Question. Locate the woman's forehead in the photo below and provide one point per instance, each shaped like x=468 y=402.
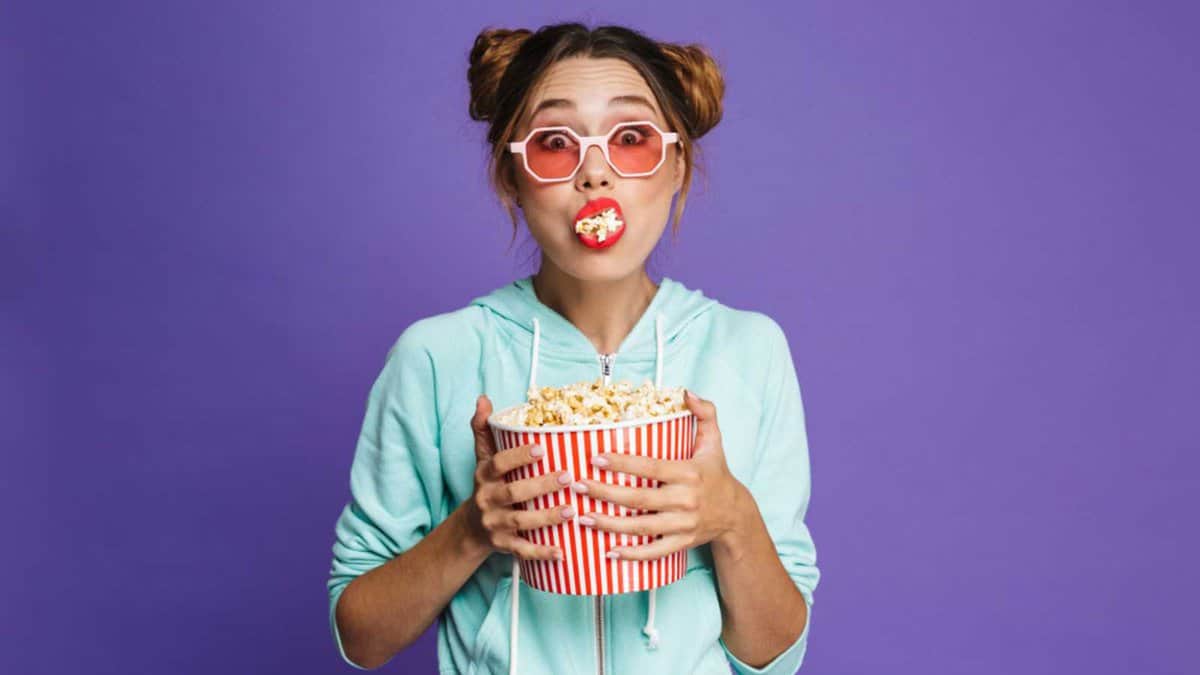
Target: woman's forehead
x=591 y=89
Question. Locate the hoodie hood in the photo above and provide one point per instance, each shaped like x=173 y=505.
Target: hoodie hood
x=673 y=305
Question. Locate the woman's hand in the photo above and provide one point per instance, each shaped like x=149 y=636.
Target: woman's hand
x=493 y=519
x=698 y=500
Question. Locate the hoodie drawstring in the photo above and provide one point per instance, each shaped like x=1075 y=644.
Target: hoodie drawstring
x=514 y=599
x=649 y=630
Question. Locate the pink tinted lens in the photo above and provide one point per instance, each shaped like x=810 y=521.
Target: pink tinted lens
x=552 y=153
x=635 y=148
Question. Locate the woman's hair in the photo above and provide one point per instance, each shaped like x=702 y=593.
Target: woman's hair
x=506 y=64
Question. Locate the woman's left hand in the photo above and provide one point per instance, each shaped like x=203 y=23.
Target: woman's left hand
x=697 y=500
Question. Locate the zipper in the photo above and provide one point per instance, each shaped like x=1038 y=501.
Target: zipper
x=606 y=364
x=600 y=635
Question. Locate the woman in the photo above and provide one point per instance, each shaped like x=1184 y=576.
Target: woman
x=431 y=529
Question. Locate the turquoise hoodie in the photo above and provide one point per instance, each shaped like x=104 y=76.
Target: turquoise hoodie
x=415 y=460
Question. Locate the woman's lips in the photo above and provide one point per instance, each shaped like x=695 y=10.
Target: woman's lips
x=598 y=207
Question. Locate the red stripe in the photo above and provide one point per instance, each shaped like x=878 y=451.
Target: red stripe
x=592 y=538
x=671 y=439
x=610 y=539
x=567 y=539
x=577 y=455
x=537 y=503
x=679 y=455
x=559 y=501
x=540 y=503
x=631 y=481
x=546 y=501
x=593 y=534
x=644 y=438
x=548 y=566
x=552 y=572
x=636 y=540
x=623 y=568
x=660 y=452
x=527 y=566
x=601 y=537
x=659 y=429
x=568 y=527
x=577 y=533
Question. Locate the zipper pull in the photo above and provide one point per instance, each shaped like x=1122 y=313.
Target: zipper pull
x=606 y=361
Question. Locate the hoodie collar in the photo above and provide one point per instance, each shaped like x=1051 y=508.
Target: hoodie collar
x=517 y=305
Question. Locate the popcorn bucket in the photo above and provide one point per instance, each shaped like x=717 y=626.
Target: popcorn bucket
x=585 y=568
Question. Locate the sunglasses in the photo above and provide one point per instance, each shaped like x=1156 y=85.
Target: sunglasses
x=632 y=149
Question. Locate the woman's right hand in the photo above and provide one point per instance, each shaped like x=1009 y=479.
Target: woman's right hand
x=493 y=516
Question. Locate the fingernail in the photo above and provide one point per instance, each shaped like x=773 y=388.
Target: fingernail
x=537 y=451
x=568 y=512
x=614 y=554
x=599 y=461
x=558 y=555
x=564 y=478
x=587 y=520
x=579 y=487
x=688 y=393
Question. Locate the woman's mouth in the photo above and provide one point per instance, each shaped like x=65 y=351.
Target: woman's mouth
x=600 y=223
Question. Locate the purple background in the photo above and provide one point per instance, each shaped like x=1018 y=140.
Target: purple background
x=975 y=222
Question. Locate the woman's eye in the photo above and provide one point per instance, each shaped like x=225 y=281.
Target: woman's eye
x=629 y=137
x=556 y=141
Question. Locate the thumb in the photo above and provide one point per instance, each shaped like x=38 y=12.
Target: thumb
x=485 y=444
x=706 y=415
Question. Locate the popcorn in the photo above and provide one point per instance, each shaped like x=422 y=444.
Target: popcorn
x=600 y=224
x=593 y=402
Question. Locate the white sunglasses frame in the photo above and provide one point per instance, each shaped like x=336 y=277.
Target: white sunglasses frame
x=586 y=142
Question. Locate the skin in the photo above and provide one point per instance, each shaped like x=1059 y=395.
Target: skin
x=603 y=293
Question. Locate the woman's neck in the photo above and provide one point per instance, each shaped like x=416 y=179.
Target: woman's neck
x=604 y=311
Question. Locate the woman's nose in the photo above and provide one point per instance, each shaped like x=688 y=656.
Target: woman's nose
x=595 y=170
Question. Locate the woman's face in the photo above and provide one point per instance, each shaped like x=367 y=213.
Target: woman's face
x=589 y=84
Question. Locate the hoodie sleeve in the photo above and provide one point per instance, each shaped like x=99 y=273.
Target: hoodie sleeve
x=781 y=488
x=395 y=475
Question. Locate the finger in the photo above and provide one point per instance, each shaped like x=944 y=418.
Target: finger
x=655 y=549
x=527 y=550
x=670 y=522
x=662 y=470
x=507 y=520
x=706 y=415
x=524 y=521
x=668 y=497
x=528 y=488
x=485 y=443
x=512 y=458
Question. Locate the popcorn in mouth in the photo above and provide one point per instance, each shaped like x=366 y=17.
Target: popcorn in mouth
x=600 y=225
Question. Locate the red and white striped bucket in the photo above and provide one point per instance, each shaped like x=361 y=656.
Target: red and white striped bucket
x=585 y=568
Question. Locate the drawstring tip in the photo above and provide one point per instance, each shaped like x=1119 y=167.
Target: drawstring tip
x=652 y=633
x=649 y=628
